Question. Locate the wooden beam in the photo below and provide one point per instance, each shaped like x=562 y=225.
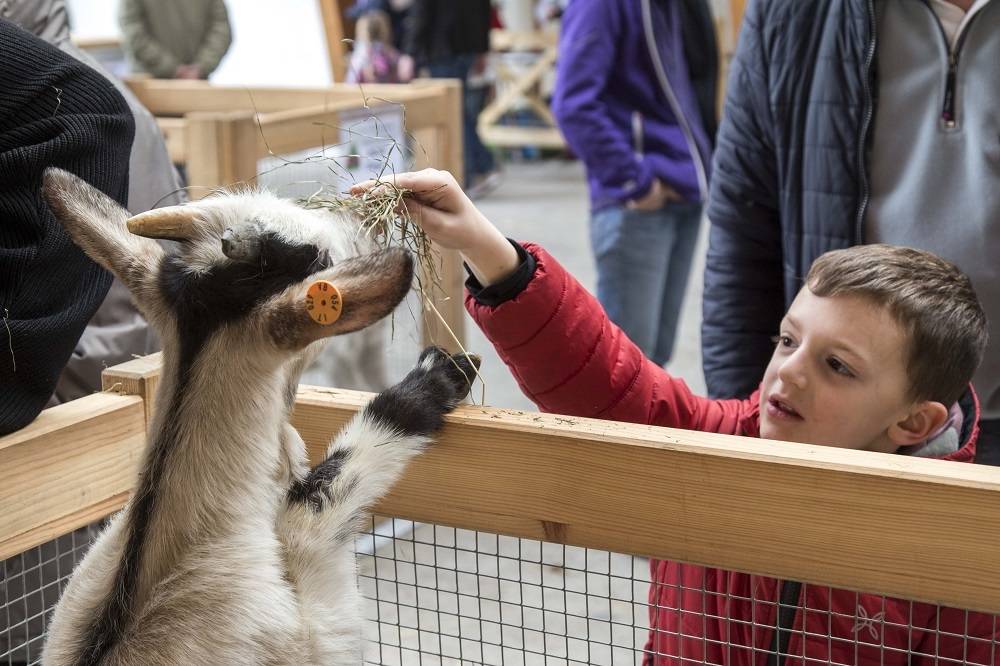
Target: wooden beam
x=178 y=97
x=511 y=136
x=139 y=377
x=514 y=40
x=315 y=126
x=97 y=43
x=173 y=130
x=524 y=83
x=72 y=466
x=333 y=28
x=913 y=528
x=438 y=133
x=221 y=150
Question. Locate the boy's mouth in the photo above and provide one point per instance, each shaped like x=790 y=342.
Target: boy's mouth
x=780 y=409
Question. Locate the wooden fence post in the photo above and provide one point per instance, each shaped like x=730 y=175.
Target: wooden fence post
x=221 y=150
x=442 y=147
x=333 y=28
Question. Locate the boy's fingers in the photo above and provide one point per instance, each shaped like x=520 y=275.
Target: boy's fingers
x=419 y=181
x=427 y=218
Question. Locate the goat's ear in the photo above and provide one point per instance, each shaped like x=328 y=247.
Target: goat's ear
x=96 y=223
x=368 y=288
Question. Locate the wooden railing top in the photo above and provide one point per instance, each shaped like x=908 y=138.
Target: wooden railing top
x=905 y=527
x=179 y=97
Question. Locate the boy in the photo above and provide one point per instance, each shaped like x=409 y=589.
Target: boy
x=875 y=353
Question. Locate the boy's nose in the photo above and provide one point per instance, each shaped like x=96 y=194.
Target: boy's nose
x=793 y=371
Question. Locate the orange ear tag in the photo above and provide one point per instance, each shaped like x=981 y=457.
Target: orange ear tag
x=323 y=302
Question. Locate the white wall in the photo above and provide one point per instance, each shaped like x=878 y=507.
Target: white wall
x=274 y=43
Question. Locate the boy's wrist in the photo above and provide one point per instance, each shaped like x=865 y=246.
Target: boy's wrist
x=492 y=258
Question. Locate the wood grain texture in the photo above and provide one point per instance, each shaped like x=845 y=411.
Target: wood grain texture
x=138 y=377
x=917 y=529
x=333 y=29
x=73 y=465
x=912 y=528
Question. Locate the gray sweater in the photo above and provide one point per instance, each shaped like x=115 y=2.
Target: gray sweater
x=935 y=159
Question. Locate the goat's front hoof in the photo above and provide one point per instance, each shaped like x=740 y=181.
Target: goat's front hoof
x=417 y=405
x=457 y=371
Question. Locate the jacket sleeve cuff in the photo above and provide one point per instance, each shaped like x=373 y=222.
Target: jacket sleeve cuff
x=639 y=186
x=507 y=289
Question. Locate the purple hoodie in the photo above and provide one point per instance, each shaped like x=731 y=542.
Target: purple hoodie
x=618 y=106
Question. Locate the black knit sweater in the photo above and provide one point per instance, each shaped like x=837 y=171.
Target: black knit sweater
x=54 y=111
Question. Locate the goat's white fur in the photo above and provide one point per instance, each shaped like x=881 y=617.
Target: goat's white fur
x=231 y=572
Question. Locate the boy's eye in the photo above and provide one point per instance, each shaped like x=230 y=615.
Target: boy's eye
x=837 y=365
x=783 y=341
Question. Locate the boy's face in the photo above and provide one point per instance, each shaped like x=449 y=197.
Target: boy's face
x=837 y=376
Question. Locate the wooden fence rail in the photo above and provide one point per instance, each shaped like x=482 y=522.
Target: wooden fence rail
x=912 y=528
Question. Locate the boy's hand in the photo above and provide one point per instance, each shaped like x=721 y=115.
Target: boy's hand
x=450 y=219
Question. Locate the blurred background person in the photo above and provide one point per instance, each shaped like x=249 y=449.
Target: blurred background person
x=635 y=99
x=374 y=58
x=451 y=39
x=179 y=39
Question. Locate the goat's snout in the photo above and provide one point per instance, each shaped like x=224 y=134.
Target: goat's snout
x=243 y=248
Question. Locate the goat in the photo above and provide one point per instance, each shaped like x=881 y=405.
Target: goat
x=230 y=550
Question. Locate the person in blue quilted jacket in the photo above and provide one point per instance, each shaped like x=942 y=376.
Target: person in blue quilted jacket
x=850 y=122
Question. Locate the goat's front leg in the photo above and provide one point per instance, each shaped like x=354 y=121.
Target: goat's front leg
x=370 y=453
x=324 y=511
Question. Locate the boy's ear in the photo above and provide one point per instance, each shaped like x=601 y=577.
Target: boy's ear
x=924 y=419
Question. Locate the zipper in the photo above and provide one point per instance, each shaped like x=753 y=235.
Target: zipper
x=949 y=115
x=866 y=125
x=637 y=134
x=788 y=602
x=948 y=110
x=661 y=76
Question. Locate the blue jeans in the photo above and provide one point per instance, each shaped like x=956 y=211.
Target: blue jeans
x=643 y=264
x=478 y=158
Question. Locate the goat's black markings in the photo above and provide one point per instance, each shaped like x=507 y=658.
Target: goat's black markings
x=417 y=405
x=315 y=487
x=201 y=303
x=204 y=302
x=112 y=618
x=410 y=408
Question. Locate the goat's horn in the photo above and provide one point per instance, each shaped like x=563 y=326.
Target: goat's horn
x=170 y=223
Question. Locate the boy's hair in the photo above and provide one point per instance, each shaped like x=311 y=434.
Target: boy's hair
x=931 y=299
x=374 y=26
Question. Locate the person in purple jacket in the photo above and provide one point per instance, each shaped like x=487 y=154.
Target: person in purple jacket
x=635 y=98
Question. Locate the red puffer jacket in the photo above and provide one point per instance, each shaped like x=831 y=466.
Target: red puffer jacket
x=569 y=358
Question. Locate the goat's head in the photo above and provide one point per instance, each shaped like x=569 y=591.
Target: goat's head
x=241 y=269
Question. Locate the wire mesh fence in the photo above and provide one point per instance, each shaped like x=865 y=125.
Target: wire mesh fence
x=441 y=595
x=30 y=585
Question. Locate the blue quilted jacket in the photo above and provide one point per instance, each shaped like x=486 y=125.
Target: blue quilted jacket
x=789 y=176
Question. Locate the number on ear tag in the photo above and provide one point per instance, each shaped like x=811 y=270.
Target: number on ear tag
x=323 y=302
